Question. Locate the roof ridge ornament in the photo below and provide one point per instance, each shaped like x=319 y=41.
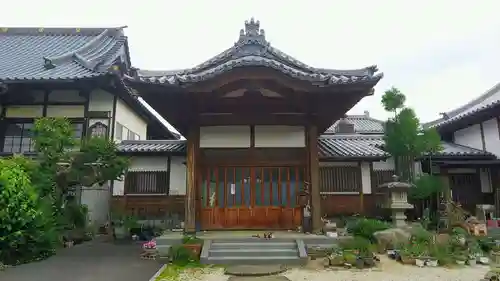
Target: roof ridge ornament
x=252 y=33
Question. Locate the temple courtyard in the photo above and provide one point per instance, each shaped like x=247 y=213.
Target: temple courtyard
x=388 y=271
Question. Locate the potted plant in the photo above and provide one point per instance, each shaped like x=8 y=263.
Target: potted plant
x=122 y=225
x=193 y=244
x=407 y=254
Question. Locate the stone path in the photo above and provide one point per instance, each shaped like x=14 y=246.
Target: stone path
x=91 y=261
x=261 y=278
x=255 y=270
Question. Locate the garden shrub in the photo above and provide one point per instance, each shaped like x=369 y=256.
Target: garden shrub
x=27 y=229
x=365 y=228
x=181 y=256
x=359 y=245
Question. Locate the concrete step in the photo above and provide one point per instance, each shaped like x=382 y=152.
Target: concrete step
x=245 y=252
x=254 y=245
x=251 y=240
x=255 y=260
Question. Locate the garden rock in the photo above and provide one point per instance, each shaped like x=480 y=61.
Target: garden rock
x=390 y=237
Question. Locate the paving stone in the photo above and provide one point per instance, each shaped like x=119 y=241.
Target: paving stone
x=260 y=278
x=255 y=270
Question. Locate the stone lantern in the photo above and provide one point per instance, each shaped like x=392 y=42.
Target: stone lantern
x=396 y=199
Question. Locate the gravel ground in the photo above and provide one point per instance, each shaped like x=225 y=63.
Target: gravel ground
x=387 y=271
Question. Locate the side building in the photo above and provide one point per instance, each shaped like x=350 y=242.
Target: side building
x=477 y=125
x=74 y=73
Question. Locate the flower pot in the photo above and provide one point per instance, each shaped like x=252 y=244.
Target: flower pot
x=194 y=248
x=471 y=262
x=408 y=260
x=432 y=262
x=121 y=232
x=420 y=262
x=483 y=260
x=495 y=258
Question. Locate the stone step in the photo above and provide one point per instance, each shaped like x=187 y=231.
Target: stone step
x=254 y=245
x=245 y=252
x=252 y=240
x=255 y=260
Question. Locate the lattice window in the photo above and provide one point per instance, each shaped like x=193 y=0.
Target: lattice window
x=340 y=179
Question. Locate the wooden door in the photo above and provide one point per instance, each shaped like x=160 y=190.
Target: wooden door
x=250 y=197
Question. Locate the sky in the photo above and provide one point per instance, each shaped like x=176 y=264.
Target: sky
x=440 y=54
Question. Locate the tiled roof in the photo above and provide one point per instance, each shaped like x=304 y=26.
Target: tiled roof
x=169 y=146
x=351 y=147
x=330 y=147
x=253 y=50
x=486 y=101
x=358 y=146
x=58 y=53
x=363 y=124
x=453 y=149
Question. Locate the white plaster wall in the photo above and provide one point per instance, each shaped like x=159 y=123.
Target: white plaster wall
x=178 y=175
x=470 y=136
x=148 y=163
x=386 y=165
x=131 y=120
x=100 y=100
x=492 y=136
x=97 y=200
x=366 y=178
x=158 y=163
x=225 y=136
x=280 y=136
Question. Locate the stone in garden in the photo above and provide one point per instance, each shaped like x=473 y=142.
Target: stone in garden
x=390 y=237
x=261 y=278
x=443 y=238
x=319 y=263
x=255 y=270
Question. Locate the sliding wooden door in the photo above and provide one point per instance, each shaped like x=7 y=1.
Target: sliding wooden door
x=239 y=197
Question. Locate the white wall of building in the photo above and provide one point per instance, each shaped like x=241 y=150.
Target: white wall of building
x=239 y=136
x=130 y=120
x=158 y=163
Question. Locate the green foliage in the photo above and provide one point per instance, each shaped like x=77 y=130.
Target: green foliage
x=191 y=240
x=358 y=245
x=35 y=191
x=404 y=138
x=425 y=186
x=365 y=228
x=26 y=232
x=393 y=99
x=181 y=256
x=77 y=215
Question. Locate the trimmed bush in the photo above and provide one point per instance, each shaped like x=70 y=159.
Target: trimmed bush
x=27 y=231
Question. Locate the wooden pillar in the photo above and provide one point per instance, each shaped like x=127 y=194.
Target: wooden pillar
x=495 y=186
x=312 y=136
x=193 y=141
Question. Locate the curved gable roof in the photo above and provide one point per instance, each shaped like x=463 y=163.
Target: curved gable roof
x=253 y=49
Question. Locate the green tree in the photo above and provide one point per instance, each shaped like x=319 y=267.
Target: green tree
x=94 y=162
x=405 y=139
x=27 y=231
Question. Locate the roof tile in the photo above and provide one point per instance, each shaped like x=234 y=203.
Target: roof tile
x=362 y=125
x=59 y=53
x=169 y=146
x=252 y=49
x=330 y=147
